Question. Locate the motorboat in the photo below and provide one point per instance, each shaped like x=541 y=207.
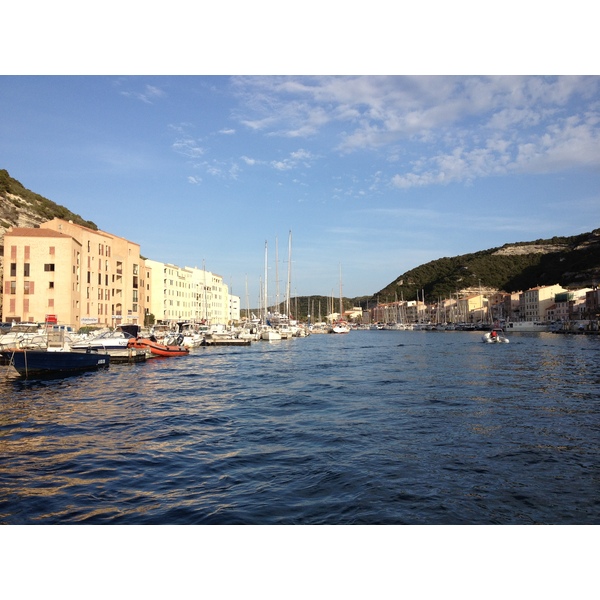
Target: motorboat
x=19 y=335
x=107 y=341
x=171 y=347
x=495 y=336
x=340 y=327
x=34 y=363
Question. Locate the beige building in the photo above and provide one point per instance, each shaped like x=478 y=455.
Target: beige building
x=72 y=275
x=534 y=302
x=41 y=276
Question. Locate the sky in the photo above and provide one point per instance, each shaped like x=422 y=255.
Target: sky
x=372 y=174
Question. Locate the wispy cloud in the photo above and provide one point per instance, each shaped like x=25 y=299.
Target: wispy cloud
x=188 y=147
x=149 y=94
x=295 y=159
x=438 y=130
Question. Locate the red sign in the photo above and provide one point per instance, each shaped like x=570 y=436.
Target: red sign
x=51 y=319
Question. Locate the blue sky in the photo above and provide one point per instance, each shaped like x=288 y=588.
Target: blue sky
x=375 y=174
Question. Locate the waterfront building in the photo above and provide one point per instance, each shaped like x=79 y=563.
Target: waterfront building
x=234 y=308
x=568 y=306
x=189 y=294
x=592 y=304
x=534 y=302
x=473 y=307
x=70 y=274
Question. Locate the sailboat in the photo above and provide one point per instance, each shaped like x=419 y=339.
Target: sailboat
x=267 y=332
x=341 y=326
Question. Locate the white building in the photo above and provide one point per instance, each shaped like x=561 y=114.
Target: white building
x=189 y=294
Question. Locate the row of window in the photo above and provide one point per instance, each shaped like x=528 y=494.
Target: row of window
x=10 y=287
x=27 y=269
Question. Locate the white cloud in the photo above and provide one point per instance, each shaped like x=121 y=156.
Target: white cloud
x=149 y=94
x=188 y=147
x=437 y=129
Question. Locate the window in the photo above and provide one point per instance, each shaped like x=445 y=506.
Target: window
x=28 y=287
x=52 y=250
x=27 y=252
x=49 y=267
x=13 y=269
x=89 y=277
x=26 y=270
x=51 y=285
x=99 y=278
x=13 y=287
x=13 y=253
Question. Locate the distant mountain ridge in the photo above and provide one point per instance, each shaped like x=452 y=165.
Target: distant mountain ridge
x=569 y=261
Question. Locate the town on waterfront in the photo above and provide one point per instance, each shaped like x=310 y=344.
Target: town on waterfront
x=66 y=274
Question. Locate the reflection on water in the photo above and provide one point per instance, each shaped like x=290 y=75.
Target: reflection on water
x=373 y=427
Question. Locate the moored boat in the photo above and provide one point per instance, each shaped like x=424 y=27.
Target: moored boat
x=158 y=349
x=527 y=326
x=33 y=363
x=106 y=342
x=340 y=327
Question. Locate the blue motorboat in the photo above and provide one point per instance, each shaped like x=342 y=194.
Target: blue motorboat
x=34 y=363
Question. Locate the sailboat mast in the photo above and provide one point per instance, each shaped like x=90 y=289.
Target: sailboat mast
x=276 y=275
x=341 y=305
x=289 y=277
x=266 y=299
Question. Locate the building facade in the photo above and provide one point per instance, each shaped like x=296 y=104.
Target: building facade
x=534 y=302
x=187 y=294
x=71 y=275
x=41 y=276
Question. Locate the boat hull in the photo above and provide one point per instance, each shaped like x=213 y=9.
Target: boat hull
x=488 y=338
x=158 y=349
x=34 y=363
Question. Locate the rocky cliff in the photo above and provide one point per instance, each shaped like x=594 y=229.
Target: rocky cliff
x=20 y=207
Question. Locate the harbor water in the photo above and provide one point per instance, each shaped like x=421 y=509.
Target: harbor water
x=372 y=427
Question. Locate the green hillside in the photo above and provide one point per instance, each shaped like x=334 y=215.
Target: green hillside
x=569 y=261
